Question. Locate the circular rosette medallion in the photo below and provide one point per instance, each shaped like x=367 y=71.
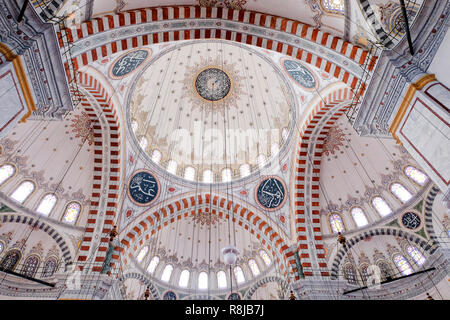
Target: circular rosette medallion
x=128 y=62
x=143 y=188
x=213 y=84
x=270 y=193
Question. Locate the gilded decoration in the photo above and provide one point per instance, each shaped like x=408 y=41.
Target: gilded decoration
x=230 y=4
x=213 y=85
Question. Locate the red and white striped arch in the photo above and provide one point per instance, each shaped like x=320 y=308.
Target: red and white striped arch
x=106 y=172
x=186 y=31
x=135 y=235
x=307 y=178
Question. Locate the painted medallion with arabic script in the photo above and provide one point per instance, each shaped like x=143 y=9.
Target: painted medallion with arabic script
x=270 y=194
x=143 y=188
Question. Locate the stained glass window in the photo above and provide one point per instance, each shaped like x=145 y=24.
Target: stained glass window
x=156 y=156
x=265 y=257
x=402 y=265
x=385 y=270
x=253 y=267
x=333 y=6
x=30 y=266
x=167 y=273
x=381 y=206
x=416 y=175
x=189 y=173
x=153 y=264
x=203 y=280
x=221 y=279
x=416 y=255
x=364 y=272
x=23 y=191
x=72 y=211
x=1 y=247
x=184 y=279
x=239 y=274
x=6 y=172
x=226 y=175
x=49 y=267
x=208 y=176
x=244 y=170
x=359 y=217
x=142 y=254
x=349 y=274
x=336 y=223
x=10 y=260
x=274 y=149
x=47 y=204
x=400 y=192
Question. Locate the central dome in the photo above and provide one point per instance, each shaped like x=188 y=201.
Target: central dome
x=211 y=111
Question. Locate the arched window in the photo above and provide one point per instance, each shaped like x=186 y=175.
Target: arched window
x=6 y=172
x=143 y=143
x=184 y=278
x=253 y=267
x=203 y=280
x=385 y=270
x=71 y=213
x=336 y=223
x=47 y=204
x=333 y=6
x=364 y=272
x=1 y=247
x=416 y=175
x=167 y=273
x=381 y=206
x=49 y=267
x=23 y=191
x=350 y=274
x=134 y=126
x=274 y=149
x=244 y=170
x=359 y=217
x=261 y=160
x=10 y=260
x=221 y=279
x=153 y=264
x=208 y=176
x=189 y=173
x=226 y=175
x=400 y=192
x=156 y=156
x=172 y=166
x=285 y=134
x=31 y=265
x=142 y=254
x=265 y=257
x=402 y=265
x=239 y=274
x=416 y=255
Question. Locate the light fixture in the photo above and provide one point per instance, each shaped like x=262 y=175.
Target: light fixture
x=230 y=255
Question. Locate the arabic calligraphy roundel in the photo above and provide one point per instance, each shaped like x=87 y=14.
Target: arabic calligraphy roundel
x=128 y=62
x=213 y=84
x=411 y=220
x=301 y=74
x=143 y=188
x=270 y=193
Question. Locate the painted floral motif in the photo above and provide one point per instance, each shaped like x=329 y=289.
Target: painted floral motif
x=333 y=141
x=231 y=4
x=205 y=218
x=231 y=77
x=82 y=126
